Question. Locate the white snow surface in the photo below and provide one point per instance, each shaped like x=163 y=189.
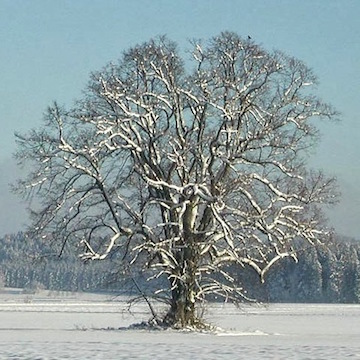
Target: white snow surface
x=90 y=326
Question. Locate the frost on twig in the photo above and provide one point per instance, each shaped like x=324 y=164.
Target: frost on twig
x=187 y=174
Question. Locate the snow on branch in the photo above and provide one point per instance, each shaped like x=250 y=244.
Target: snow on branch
x=184 y=174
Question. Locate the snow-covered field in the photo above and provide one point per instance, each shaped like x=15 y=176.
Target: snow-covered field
x=83 y=326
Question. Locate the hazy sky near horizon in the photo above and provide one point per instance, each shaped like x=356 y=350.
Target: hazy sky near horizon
x=49 y=48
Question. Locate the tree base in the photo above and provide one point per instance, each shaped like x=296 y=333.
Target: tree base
x=160 y=324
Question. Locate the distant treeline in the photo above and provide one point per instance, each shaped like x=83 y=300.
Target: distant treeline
x=31 y=264
x=325 y=273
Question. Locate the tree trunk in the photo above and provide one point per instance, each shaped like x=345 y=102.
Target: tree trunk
x=182 y=310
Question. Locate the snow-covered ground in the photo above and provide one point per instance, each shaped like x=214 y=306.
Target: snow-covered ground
x=83 y=326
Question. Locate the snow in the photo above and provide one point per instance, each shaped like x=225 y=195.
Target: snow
x=90 y=326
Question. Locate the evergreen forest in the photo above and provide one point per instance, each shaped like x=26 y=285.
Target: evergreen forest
x=324 y=273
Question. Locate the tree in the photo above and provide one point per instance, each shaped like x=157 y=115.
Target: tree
x=349 y=282
x=331 y=273
x=183 y=172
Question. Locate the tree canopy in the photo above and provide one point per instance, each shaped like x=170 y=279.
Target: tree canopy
x=182 y=168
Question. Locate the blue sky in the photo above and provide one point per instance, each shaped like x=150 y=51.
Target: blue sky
x=48 y=48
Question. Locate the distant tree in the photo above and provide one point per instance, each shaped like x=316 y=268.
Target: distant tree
x=278 y=283
x=331 y=274
x=307 y=283
x=350 y=276
x=302 y=282
x=2 y=280
x=182 y=172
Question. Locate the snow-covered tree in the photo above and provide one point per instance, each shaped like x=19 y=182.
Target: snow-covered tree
x=350 y=275
x=183 y=170
x=331 y=273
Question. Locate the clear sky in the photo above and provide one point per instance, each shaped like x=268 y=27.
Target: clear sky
x=48 y=48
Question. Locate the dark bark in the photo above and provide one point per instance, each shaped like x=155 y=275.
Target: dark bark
x=182 y=311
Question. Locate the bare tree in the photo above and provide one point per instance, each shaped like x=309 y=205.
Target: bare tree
x=184 y=174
